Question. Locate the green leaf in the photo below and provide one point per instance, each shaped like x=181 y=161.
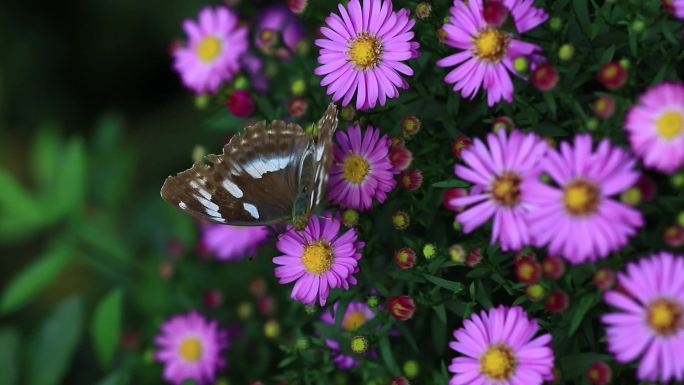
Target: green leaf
x=387 y=356
x=582 y=13
x=29 y=282
x=119 y=377
x=44 y=154
x=9 y=354
x=441 y=312
x=585 y=303
x=105 y=327
x=574 y=365
x=449 y=183
x=20 y=214
x=55 y=343
x=69 y=188
x=455 y=287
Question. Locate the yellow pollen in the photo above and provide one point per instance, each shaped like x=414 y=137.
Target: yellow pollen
x=665 y=316
x=355 y=169
x=208 y=49
x=526 y=271
x=670 y=125
x=353 y=321
x=498 y=362
x=490 y=45
x=506 y=189
x=581 y=198
x=190 y=349
x=365 y=51
x=317 y=257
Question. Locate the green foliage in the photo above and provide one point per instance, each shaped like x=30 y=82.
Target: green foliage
x=105 y=327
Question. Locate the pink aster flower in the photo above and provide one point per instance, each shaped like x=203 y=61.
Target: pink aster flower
x=190 y=348
x=230 y=243
x=362 y=169
x=501 y=172
x=211 y=54
x=278 y=24
x=318 y=259
x=678 y=8
x=364 y=50
x=577 y=217
x=487 y=53
x=649 y=320
x=356 y=314
x=500 y=347
x=656 y=127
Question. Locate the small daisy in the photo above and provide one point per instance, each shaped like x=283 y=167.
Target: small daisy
x=500 y=171
x=364 y=50
x=656 y=127
x=278 y=24
x=215 y=44
x=487 y=53
x=230 y=243
x=362 y=169
x=499 y=347
x=577 y=217
x=318 y=259
x=190 y=348
x=649 y=320
x=356 y=314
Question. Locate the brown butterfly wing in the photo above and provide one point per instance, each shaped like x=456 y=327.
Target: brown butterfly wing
x=323 y=153
x=254 y=182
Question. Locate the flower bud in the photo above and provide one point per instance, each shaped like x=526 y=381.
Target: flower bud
x=612 y=75
x=297 y=107
x=399 y=381
x=674 y=236
x=423 y=10
x=401 y=220
x=451 y=194
x=358 y=344
x=599 y=373
x=555 y=23
x=557 y=301
x=459 y=144
x=527 y=270
x=405 y=258
x=429 y=251
x=502 y=122
x=272 y=329
x=350 y=217
x=411 y=180
x=544 y=77
x=410 y=125
x=535 y=293
x=212 y=298
x=411 y=369
x=604 y=278
x=495 y=13
x=553 y=267
x=297 y=6
x=457 y=253
x=474 y=257
x=400 y=157
x=604 y=106
x=401 y=307
x=566 y=52
x=241 y=103
x=521 y=64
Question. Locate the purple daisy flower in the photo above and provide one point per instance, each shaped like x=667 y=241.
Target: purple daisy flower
x=230 y=243
x=649 y=321
x=656 y=127
x=487 y=53
x=362 y=169
x=501 y=174
x=276 y=23
x=318 y=259
x=678 y=8
x=210 y=57
x=190 y=348
x=500 y=347
x=356 y=314
x=577 y=218
x=364 y=50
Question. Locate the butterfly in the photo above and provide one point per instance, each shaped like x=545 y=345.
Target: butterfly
x=271 y=173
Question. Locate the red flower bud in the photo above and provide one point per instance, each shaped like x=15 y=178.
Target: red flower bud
x=400 y=157
x=411 y=180
x=405 y=258
x=604 y=278
x=459 y=144
x=604 y=106
x=401 y=307
x=599 y=373
x=557 y=301
x=495 y=13
x=612 y=75
x=213 y=298
x=674 y=236
x=553 y=267
x=241 y=103
x=453 y=193
x=399 y=381
x=545 y=77
x=527 y=270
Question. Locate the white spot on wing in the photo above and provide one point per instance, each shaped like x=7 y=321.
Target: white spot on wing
x=232 y=188
x=251 y=209
x=182 y=205
x=207 y=203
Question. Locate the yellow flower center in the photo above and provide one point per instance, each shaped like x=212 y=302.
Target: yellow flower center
x=208 y=49
x=526 y=271
x=506 y=189
x=498 y=362
x=665 y=316
x=365 y=51
x=317 y=257
x=190 y=349
x=353 y=320
x=670 y=125
x=355 y=169
x=581 y=198
x=490 y=45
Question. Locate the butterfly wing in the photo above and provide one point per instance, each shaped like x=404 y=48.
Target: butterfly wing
x=323 y=153
x=254 y=182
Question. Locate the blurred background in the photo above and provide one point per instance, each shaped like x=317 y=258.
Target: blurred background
x=92 y=120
